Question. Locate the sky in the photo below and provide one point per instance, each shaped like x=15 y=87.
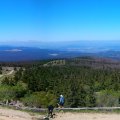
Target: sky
x=36 y=21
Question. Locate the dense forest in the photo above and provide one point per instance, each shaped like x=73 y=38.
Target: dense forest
x=84 y=82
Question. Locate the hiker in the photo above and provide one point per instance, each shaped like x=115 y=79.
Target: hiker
x=50 y=111
x=61 y=101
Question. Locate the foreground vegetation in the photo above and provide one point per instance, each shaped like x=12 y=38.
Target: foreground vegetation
x=85 y=82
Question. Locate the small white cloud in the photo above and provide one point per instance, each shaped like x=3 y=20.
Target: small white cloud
x=54 y=54
x=13 y=50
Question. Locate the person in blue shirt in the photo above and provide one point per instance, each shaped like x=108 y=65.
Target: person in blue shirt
x=61 y=101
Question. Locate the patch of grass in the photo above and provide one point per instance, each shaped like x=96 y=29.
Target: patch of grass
x=89 y=111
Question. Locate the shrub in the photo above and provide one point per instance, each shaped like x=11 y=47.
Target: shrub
x=39 y=99
x=20 y=89
x=107 y=98
x=6 y=93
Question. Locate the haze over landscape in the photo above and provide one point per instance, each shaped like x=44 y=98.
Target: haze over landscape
x=65 y=25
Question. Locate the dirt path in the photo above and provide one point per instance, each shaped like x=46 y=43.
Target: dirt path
x=1 y=76
x=9 y=114
x=11 y=72
x=87 y=116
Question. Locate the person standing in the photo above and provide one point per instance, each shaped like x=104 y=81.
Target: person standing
x=61 y=101
x=50 y=111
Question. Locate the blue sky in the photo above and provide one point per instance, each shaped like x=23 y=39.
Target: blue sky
x=35 y=21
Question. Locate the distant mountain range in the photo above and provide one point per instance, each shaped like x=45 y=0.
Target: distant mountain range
x=9 y=53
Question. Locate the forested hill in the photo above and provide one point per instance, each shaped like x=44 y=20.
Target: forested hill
x=96 y=63
x=85 y=82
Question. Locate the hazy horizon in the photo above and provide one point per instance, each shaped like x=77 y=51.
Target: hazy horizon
x=35 y=22
x=84 y=45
